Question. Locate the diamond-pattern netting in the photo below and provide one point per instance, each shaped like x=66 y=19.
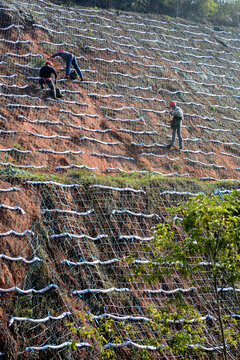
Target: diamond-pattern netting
x=65 y=244
x=81 y=241
x=117 y=118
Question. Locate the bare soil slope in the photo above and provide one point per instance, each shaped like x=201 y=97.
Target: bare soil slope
x=118 y=117
x=65 y=230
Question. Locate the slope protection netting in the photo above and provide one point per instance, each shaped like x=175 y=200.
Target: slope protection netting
x=73 y=263
x=64 y=252
x=117 y=118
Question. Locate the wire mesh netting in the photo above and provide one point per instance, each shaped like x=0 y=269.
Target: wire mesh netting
x=117 y=119
x=65 y=243
x=78 y=267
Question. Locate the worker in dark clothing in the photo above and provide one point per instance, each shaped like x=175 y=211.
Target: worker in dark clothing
x=45 y=74
x=70 y=60
x=176 y=124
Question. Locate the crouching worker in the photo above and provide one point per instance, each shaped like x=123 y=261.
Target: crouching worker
x=70 y=60
x=45 y=74
x=176 y=124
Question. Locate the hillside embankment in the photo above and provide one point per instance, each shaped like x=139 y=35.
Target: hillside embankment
x=118 y=117
x=85 y=178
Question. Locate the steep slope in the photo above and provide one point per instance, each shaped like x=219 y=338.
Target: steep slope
x=118 y=118
x=63 y=259
x=66 y=228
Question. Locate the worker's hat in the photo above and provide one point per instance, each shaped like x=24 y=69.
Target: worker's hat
x=172 y=104
x=49 y=63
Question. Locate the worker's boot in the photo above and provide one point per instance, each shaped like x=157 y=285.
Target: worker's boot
x=58 y=93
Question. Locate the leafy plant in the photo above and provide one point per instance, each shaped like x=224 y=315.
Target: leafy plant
x=210 y=227
x=180 y=324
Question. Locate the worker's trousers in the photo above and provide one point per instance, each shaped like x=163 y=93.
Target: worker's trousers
x=178 y=132
x=50 y=84
x=71 y=60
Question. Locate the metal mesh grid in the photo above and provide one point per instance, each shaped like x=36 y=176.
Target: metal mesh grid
x=120 y=219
